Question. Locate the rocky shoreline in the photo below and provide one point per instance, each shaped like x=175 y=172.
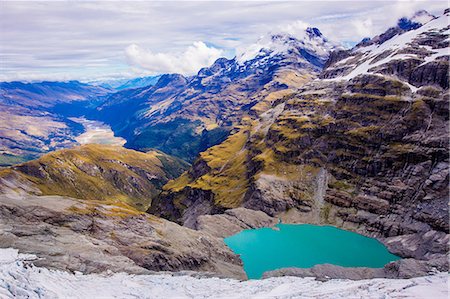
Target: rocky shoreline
x=235 y=220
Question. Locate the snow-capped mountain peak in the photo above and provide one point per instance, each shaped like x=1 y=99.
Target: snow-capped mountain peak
x=405 y=54
x=422 y=17
x=309 y=41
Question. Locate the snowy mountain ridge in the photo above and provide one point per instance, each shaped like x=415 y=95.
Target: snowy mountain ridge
x=420 y=46
x=309 y=41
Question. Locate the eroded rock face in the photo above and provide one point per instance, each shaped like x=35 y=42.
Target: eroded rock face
x=74 y=235
x=368 y=156
x=405 y=268
x=233 y=221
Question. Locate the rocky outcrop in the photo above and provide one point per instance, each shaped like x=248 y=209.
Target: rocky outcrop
x=413 y=52
x=233 y=221
x=185 y=208
x=76 y=235
x=405 y=268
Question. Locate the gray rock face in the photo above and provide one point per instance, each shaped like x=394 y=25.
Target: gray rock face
x=233 y=221
x=384 y=152
x=405 y=268
x=366 y=151
x=195 y=203
x=327 y=271
x=73 y=235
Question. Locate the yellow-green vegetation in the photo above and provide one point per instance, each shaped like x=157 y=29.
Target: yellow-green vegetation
x=267 y=102
x=382 y=85
x=370 y=97
x=272 y=165
x=301 y=176
x=364 y=133
x=325 y=212
x=227 y=178
x=396 y=150
x=285 y=131
x=178 y=184
x=267 y=98
x=418 y=111
x=110 y=174
x=340 y=185
x=105 y=208
x=302 y=117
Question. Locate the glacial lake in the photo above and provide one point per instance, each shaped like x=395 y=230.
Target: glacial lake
x=303 y=246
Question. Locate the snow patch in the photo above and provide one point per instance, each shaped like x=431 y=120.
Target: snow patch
x=309 y=39
x=19 y=280
x=393 y=46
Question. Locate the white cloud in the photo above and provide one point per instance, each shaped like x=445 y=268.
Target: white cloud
x=296 y=28
x=188 y=62
x=363 y=27
x=76 y=39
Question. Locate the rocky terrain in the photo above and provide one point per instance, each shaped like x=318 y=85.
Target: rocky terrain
x=295 y=129
x=81 y=209
x=93 y=237
x=20 y=279
x=363 y=147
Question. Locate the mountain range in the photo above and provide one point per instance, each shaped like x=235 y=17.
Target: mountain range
x=296 y=128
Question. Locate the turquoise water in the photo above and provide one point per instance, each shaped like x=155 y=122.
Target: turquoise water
x=303 y=246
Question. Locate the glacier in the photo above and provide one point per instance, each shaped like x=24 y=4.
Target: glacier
x=19 y=278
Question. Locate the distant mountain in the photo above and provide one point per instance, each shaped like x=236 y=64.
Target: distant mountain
x=139 y=82
x=309 y=44
x=33 y=117
x=417 y=56
x=184 y=116
x=120 y=84
x=404 y=24
x=46 y=94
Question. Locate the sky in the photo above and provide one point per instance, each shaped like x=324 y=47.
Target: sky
x=100 y=40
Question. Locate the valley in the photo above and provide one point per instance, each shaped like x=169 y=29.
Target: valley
x=296 y=141
x=96 y=132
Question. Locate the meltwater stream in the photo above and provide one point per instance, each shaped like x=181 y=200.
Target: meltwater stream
x=303 y=246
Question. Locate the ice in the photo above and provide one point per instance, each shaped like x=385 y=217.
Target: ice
x=19 y=280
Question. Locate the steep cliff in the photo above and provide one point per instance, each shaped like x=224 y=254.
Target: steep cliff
x=362 y=148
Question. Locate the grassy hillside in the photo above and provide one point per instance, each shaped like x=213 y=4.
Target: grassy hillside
x=98 y=172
